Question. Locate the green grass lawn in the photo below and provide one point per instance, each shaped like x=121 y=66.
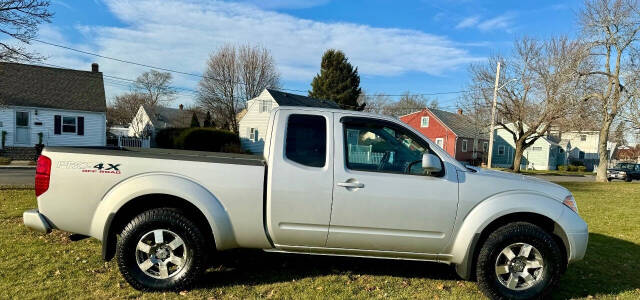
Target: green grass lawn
x=51 y=266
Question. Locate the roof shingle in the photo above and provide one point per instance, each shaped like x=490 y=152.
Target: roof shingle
x=37 y=86
x=461 y=125
x=287 y=99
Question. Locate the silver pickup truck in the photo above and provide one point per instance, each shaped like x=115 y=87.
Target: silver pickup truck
x=330 y=182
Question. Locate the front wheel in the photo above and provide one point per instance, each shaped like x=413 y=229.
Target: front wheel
x=518 y=261
x=161 y=249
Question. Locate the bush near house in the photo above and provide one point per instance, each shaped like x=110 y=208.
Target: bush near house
x=165 y=138
x=4 y=160
x=200 y=139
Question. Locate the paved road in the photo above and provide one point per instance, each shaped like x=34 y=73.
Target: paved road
x=586 y=178
x=17 y=176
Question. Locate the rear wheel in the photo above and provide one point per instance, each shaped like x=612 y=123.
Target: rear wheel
x=518 y=261
x=628 y=179
x=161 y=249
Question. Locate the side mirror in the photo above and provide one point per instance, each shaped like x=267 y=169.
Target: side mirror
x=431 y=163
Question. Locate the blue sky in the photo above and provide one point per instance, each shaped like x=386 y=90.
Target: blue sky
x=418 y=46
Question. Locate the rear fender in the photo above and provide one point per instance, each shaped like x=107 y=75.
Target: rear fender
x=168 y=184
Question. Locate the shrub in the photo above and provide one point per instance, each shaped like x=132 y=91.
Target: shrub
x=572 y=168
x=562 y=168
x=582 y=169
x=4 y=138
x=577 y=163
x=5 y=160
x=165 y=138
x=206 y=139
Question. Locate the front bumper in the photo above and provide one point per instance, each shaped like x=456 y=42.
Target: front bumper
x=617 y=176
x=577 y=234
x=33 y=219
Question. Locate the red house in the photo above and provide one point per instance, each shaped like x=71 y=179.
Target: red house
x=455 y=133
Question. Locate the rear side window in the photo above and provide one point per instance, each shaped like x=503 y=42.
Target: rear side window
x=306 y=141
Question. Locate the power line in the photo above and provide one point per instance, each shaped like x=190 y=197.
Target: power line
x=218 y=79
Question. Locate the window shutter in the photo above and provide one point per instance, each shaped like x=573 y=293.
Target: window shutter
x=255 y=135
x=57 y=124
x=80 y=125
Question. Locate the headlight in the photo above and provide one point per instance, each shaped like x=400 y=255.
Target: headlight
x=570 y=202
x=622 y=173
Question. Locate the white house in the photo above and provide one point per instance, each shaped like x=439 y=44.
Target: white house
x=253 y=123
x=150 y=119
x=58 y=107
x=584 y=147
x=545 y=153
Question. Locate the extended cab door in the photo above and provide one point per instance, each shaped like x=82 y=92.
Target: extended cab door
x=382 y=199
x=300 y=178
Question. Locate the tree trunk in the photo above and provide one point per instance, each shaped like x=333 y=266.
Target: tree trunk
x=601 y=175
x=517 y=156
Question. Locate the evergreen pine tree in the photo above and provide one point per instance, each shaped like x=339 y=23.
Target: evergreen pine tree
x=207 y=120
x=194 y=120
x=338 y=80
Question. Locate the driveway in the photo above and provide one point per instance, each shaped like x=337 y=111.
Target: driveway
x=17 y=176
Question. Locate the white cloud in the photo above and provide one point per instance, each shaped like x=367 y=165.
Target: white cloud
x=468 y=22
x=502 y=22
x=499 y=22
x=181 y=34
x=286 y=4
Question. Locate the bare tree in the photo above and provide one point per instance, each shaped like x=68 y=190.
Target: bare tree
x=124 y=108
x=375 y=103
x=156 y=87
x=539 y=89
x=257 y=70
x=611 y=28
x=233 y=76
x=408 y=103
x=19 y=19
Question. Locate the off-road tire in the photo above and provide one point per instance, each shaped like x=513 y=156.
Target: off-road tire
x=518 y=232
x=169 y=219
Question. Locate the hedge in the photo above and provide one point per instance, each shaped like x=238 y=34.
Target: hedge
x=200 y=139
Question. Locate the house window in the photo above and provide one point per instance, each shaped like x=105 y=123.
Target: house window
x=536 y=149
x=424 y=122
x=440 y=142
x=485 y=146
x=583 y=137
x=69 y=124
x=265 y=106
x=581 y=155
x=501 y=150
x=253 y=134
x=306 y=141
x=464 y=145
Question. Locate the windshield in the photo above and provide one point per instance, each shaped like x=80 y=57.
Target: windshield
x=624 y=166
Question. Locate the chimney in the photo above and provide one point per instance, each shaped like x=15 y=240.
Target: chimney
x=94 y=68
x=180 y=106
x=460 y=111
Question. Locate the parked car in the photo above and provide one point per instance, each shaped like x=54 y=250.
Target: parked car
x=624 y=171
x=330 y=182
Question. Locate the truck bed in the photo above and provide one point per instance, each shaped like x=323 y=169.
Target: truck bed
x=172 y=154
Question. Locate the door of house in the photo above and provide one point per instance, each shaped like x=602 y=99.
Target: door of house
x=23 y=132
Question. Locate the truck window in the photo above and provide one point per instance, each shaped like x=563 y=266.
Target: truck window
x=306 y=141
x=380 y=148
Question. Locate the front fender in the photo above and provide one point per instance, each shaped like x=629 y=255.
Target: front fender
x=491 y=209
x=168 y=184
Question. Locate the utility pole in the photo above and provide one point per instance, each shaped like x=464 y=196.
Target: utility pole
x=493 y=115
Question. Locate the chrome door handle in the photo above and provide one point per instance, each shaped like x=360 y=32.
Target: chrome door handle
x=351 y=185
